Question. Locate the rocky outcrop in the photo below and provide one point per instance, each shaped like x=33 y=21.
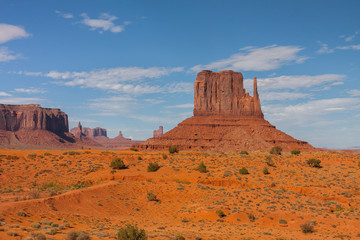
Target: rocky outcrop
x=226 y=118
x=89 y=132
x=32 y=117
x=223 y=94
x=159 y=132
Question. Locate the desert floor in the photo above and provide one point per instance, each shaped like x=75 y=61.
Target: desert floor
x=54 y=192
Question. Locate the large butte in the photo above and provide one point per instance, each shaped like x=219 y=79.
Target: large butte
x=226 y=118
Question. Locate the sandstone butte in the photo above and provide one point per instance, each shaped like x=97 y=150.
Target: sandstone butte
x=226 y=118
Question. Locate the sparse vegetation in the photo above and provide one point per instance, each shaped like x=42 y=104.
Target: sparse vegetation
x=307 y=227
x=244 y=153
x=220 y=213
x=201 y=168
x=243 y=171
x=117 y=163
x=151 y=197
x=153 y=167
x=36 y=225
x=282 y=221
x=164 y=156
x=295 y=152
x=131 y=232
x=134 y=149
x=32 y=156
x=315 y=163
x=269 y=161
x=276 y=150
x=38 y=236
x=173 y=149
x=251 y=217
x=266 y=171
x=77 y=235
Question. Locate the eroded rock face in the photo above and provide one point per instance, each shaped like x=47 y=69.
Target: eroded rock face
x=32 y=117
x=159 y=132
x=223 y=94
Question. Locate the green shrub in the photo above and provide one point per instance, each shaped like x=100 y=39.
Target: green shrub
x=266 y=171
x=314 y=163
x=307 y=227
x=117 y=163
x=164 y=156
x=51 y=231
x=202 y=168
x=173 y=149
x=74 y=235
x=134 y=149
x=36 y=225
x=153 y=167
x=251 y=217
x=32 y=156
x=179 y=237
x=269 y=161
x=276 y=150
x=151 y=197
x=243 y=171
x=38 y=236
x=244 y=153
x=220 y=213
x=359 y=164
x=282 y=221
x=295 y=152
x=47 y=154
x=139 y=158
x=131 y=232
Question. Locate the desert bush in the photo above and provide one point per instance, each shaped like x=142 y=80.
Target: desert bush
x=134 y=149
x=173 y=149
x=131 y=232
x=34 y=193
x=314 y=163
x=22 y=214
x=251 y=217
x=47 y=154
x=139 y=158
x=202 y=168
x=164 y=156
x=220 y=213
x=295 y=152
x=282 y=221
x=269 y=161
x=307 y=227
x=243 y=171
x=12 y=233
x=117 y=163
x=151 y=197
x=74 y=235
x=244 y=153
x=359 y=164
x=38 y=236
x=179 y=237
x=276 y=150
x=51 y=231
x=266 y=171
x=32 y=156
x=153 y=167
x=36 y=225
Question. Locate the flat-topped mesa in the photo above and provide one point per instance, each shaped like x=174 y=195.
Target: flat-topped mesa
x=223 y=94
x=32 y=117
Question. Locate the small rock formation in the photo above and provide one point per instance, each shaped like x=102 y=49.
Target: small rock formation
x=32 y=117
x=226 y=118
x=99 y=135
x=159 y=132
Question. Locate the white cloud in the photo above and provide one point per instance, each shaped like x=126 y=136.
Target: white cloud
x=17 y=100
x=113 y=106
x=185 y=87
x=6 y=55
x=29 y=90
x=354 y=92
x=5 y=94
x=350 y=47
x=309 y=112
x=296 y=81
x=324 y=49
x=10 y=32
x=64 y=15
x=350 y=38
x=273 y=96
x=187 y=105
x=256 y=59
x=105 y=22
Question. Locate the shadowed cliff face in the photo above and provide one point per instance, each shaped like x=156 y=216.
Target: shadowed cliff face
x=32 y=117
x=223 y=94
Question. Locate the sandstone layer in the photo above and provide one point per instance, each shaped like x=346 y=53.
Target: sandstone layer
x=159 y=132
x=226 y=118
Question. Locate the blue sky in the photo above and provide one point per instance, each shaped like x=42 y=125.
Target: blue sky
x=130 y=65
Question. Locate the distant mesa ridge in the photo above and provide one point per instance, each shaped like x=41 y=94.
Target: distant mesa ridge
x=159 y=132
x=226 y=118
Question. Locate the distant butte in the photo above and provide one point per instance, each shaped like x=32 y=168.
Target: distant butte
x=226 y=118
